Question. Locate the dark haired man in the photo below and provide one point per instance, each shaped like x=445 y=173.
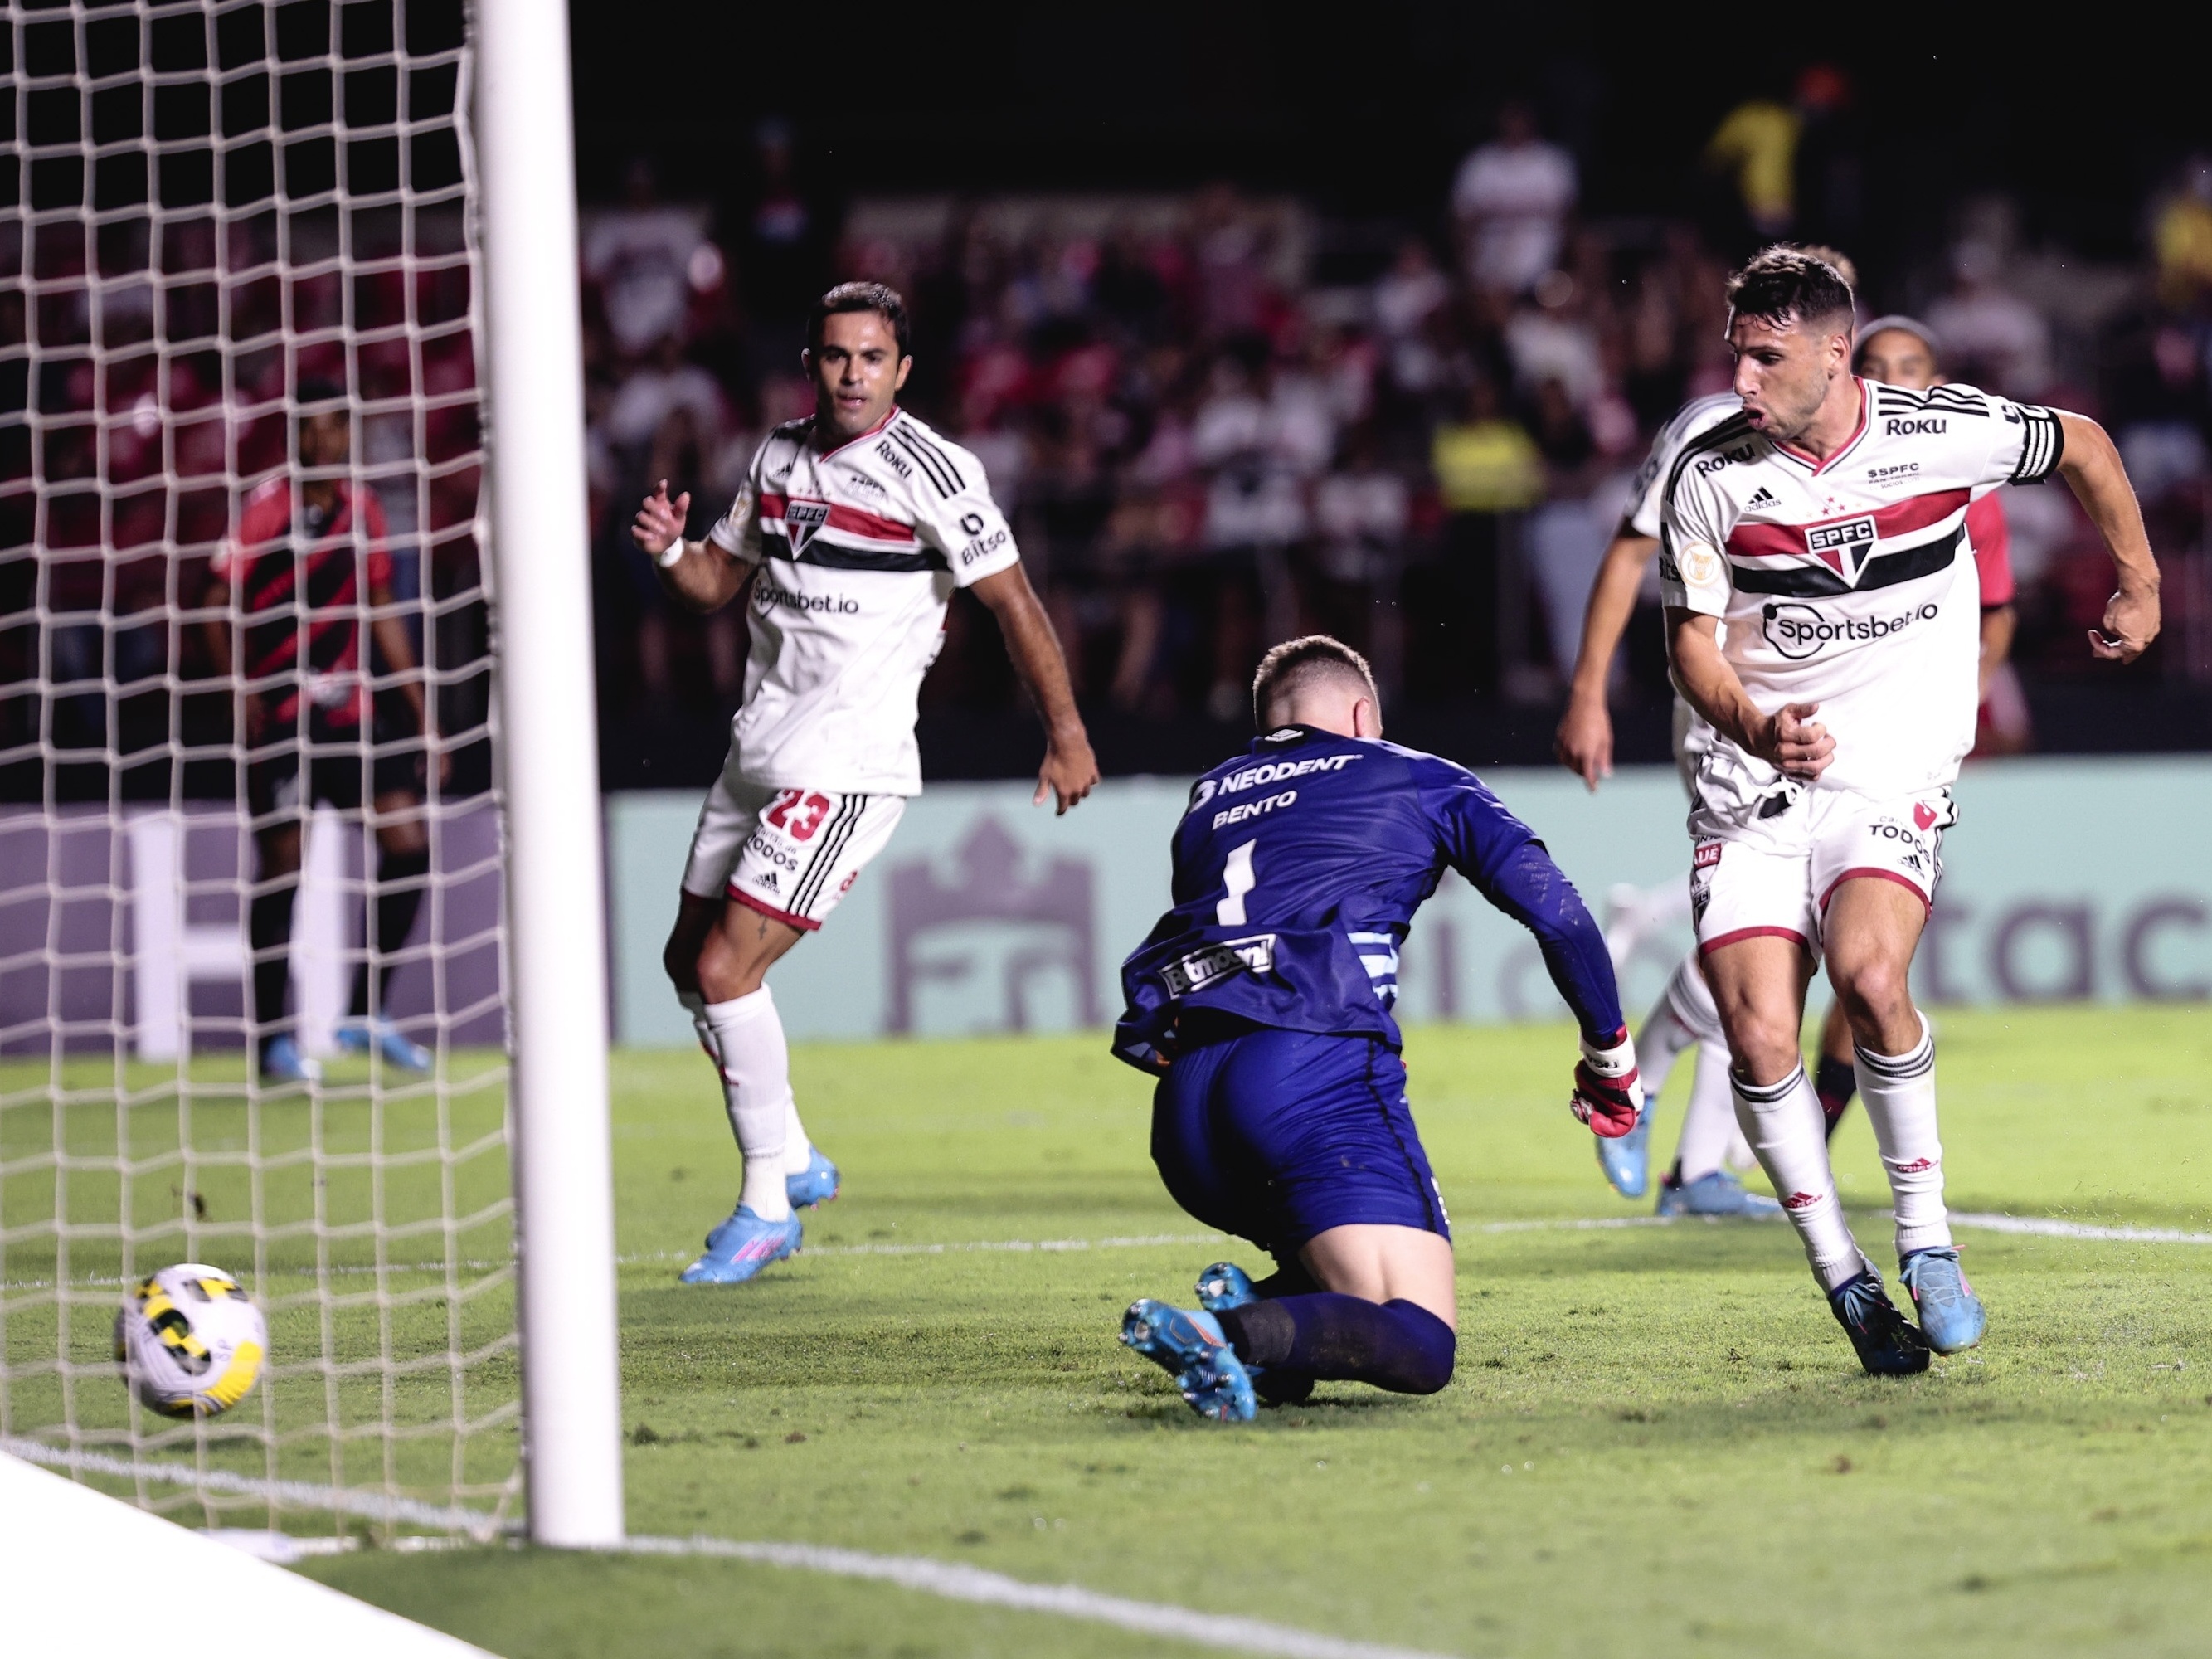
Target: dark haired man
x=854 y=526
x=1825 y=527
x=1700 y=1182
x=307 y=565
x=1262 y=1003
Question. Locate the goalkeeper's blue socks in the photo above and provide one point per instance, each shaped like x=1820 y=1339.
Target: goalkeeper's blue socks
x=1398 y=1346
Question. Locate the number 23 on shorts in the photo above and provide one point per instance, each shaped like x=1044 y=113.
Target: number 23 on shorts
x=799 y=812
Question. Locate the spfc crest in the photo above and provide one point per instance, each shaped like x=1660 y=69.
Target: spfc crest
x=1843 y=544
x=800 y=520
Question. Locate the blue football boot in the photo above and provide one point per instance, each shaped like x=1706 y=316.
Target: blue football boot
x=1226 y=1285
x=1626 y=1159
x=1188 y=1344
x=741 y=1247
x=816 y=1184
x=1888 y=1344
x=283 y=1062
x=1950 y=1313
x=1717 y=1194
x=360 y=1037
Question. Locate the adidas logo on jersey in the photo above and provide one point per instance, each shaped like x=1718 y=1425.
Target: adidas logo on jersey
x=1765 y=497
x=767 y=880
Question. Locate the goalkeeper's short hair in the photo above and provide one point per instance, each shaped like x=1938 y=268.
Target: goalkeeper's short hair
x=1292 y=668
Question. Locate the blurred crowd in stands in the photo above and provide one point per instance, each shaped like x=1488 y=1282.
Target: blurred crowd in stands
x=1205 y=446
x=1216 y=417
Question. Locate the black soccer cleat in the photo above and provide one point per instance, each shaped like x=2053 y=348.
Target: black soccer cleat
x=1888 y=1344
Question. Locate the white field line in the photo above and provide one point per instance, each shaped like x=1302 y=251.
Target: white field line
x=2032 y=1227
x=958 y=1582
x=955 y=1581
x=2046 y=1227
x=372 y=1505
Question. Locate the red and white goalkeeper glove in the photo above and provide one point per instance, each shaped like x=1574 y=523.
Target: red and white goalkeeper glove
x=1608 y=1096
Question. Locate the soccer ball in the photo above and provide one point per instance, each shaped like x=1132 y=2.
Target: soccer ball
x=190 y=1342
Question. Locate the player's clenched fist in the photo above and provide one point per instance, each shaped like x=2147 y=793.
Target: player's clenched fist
x=1796 y=743
x=2130 y=624
x=658 y=527
x=1608 y=1096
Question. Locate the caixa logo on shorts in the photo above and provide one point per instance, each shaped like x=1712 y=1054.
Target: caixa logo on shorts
x=1799 y=631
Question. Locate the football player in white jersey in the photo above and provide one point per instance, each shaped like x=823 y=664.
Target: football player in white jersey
x=1898 y=351
x=1824 y=528
x=853 y=528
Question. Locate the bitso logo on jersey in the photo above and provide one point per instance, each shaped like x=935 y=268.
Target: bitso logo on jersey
x=190 y=1342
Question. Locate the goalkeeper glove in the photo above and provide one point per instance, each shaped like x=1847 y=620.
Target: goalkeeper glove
x=1608 y=1095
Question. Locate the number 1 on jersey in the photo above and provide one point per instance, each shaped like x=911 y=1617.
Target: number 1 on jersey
x=1237 y=876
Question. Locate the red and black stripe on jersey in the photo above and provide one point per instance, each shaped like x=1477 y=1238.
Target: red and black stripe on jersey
x=305 y=583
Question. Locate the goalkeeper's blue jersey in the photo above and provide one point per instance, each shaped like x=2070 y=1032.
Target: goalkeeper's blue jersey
x=1297 y=868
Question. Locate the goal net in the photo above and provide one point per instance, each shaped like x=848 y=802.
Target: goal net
x=241 y=565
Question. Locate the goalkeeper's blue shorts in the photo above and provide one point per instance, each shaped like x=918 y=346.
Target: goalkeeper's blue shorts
x=1278 y=1136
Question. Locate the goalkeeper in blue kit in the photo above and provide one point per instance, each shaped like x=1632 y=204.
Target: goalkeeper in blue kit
x=1263 y=1002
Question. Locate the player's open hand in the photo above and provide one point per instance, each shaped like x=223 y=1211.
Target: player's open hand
x=1801 y=747
x=1584 y=742
x=2130 y=624
x=1608 y=1095
x=659 y=522
x=1069 y=773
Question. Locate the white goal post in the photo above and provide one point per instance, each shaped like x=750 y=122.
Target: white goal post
x=303 y=955
x=564 y=1193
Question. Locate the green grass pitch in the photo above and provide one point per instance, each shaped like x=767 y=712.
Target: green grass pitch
x=1657 y=1441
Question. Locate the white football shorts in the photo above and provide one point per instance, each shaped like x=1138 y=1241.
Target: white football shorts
x=789 y=853
x=1775 y=874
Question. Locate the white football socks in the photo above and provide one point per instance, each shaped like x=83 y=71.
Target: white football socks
x=1782 y=1122
x=746 y=1039
x=1709 y=1126
x=798 y=1150
x=1900 y=1092
x=1687 y=1014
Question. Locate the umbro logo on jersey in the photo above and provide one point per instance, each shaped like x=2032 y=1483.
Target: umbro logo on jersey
x=1764 y=498
x=800 y=520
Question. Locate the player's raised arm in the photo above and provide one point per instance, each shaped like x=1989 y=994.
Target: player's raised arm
x=700 y=576
x=1509 y=867
x=1070 y=770
x=2092 y=469
x=1584 y=741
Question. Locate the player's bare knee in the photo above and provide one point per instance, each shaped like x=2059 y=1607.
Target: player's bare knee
x=1877 y=993
x=1764 y=1050
x=727 y=969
